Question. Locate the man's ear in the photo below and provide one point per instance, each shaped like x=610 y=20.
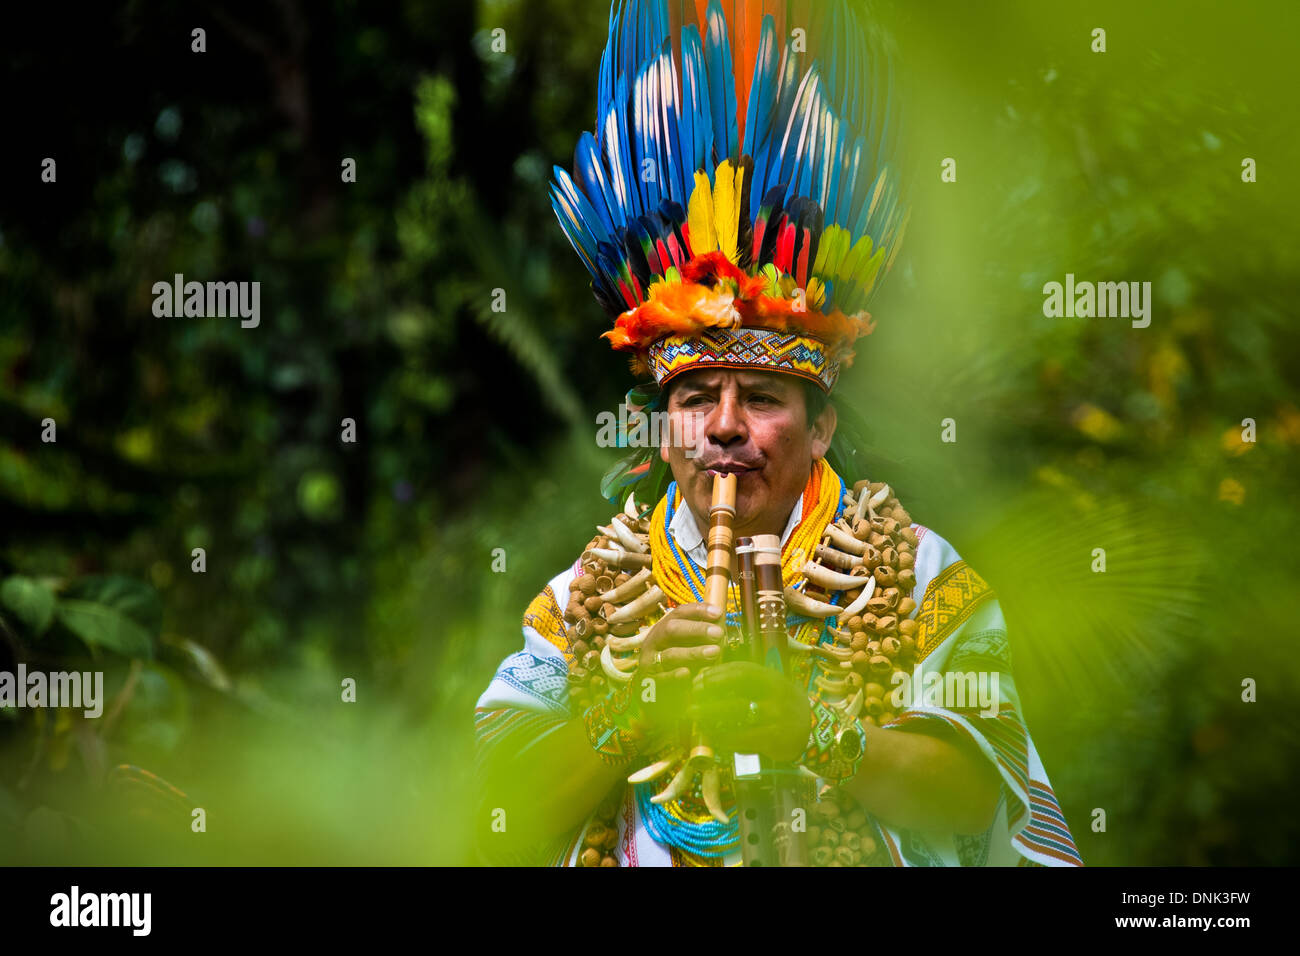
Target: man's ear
x=823 y=431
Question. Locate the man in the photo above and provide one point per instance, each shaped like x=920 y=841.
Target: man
x=742 y=295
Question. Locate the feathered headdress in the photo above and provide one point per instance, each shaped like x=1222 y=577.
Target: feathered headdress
x=736 y=205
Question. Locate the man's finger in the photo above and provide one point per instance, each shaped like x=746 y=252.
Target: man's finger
x=690 y=632
x=672 y=657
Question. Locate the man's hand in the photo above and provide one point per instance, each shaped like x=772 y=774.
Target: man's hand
x=685 y=639
x=747 y=708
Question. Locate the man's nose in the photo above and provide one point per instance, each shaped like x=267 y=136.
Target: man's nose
x=727 y=423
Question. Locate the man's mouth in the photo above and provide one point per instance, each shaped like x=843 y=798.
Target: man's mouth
x=730 y=468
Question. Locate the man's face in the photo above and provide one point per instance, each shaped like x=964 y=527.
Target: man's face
x=753 y=423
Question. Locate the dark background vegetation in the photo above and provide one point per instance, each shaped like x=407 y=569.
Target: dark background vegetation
x=372 y=560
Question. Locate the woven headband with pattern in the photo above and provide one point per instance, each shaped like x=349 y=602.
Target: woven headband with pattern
x=739 y=179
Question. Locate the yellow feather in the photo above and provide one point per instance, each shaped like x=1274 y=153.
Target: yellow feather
x=724 y=208
x=699 y=216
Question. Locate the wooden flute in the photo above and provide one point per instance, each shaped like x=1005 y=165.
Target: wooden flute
x=717 y=581
x=768 y=795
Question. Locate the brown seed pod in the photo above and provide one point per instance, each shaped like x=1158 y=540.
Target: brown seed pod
x=850 y=840
x=905 y=607
x=902 y=517
x=587 y=584
x=608 y=861
x=625 y=629
x=854 y=623
x=854 y=680
x=862 y=529
x=822 y=856
x=860 y=660
x=599 y=626
x=907 y=580
x=881 y=664
x=590 y=857
x=873 y=648
x=580 y=649
x=595 y=835
x=878 y=605
x=598 y=641
x=872 y=689
x=874 y=706
x=868 y=846
x=604 y=583
x=886 y=624
x=909 y=535
x=814 y=834
x=908 y=643
x=890 y=647
x=857 y=820
x=889 y=556
x=886 y=576
x=592 y=604
x=859 y=642
x=906 y=628
x=846 y=857
x=825 y=810
x=906 y=560
x=830 y=838
x=859 y=485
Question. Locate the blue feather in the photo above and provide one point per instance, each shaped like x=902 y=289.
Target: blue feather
x=762 y=89
x=589 y=173
x=696 y=117
x=722 y=86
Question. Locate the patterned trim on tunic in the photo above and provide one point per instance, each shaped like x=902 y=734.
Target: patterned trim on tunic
x=950 y=599
x=545 y=616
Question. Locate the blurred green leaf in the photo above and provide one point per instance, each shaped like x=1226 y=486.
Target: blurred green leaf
x=101 y=626
x=133 y=598
x=30 y=601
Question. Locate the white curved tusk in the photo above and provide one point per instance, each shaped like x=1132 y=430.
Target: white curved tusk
x=677 y=786
x=711 y=790
x=624 y=645
x=638 y=608
x=854 y=706
x=630 y=509
x=627 y=537
x=860 y=602
x=879 y=497
x=629 y=588
x=620 y=558
x=830 y=686
x=844 y=540
x=656 y=769
x=612 y=670
x=807 y=606
x=831 y=580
